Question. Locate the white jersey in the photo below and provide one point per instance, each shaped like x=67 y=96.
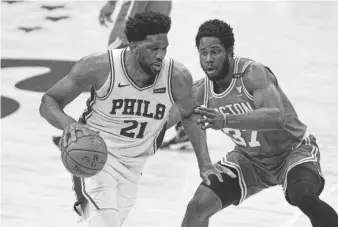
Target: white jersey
x=130 y=119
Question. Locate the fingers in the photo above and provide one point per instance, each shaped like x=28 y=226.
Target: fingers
x=64 y=140
x=225 y=170
x=229 y=173
x=205 y=113
x=85 y=131
x=102 y=20
x=204 y=127
x=61 y=144
x=109 y=18
x=205 y=109
x=206 y=179
x=72 y=132
x=203 y=121
x=214 y=171
x=68 y=133
x=217 y=170
x=206 y=123
x=219 y=176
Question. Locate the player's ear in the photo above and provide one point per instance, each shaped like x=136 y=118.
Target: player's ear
x=134 y=48
x=230 y=53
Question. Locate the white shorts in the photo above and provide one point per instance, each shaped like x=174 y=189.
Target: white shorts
x=114 y=188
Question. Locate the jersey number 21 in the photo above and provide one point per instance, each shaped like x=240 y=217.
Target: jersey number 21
x=130 y=130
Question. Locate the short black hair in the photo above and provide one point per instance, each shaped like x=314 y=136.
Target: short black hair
x=146 y=23
x=219 y=29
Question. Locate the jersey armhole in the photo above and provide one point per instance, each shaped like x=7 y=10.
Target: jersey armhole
x=109 y=80
x=246 y=92
x=270 y=71
x=170 y=73
x=206 y=85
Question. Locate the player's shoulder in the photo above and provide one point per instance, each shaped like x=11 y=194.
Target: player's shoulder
x=244 y=60
x=94 y=62
x=92 y=69
x=254 y=68
x=179 y=69
x=198 y=90
x=180 y=75
x=199 y=83
x=257 y=75
x=198 y=87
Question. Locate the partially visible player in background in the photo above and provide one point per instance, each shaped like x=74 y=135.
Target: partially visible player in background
x=180 y=140
x=125 y=9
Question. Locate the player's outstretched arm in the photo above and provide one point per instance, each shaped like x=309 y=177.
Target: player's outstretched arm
x=182 y=91
x=85 y=73
x=269 y=113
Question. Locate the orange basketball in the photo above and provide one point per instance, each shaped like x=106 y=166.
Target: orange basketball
x=86 y=156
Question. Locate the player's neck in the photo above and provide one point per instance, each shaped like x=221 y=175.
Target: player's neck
x=222 y=85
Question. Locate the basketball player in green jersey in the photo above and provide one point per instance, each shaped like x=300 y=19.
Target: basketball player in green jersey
x=272 y=147
x=133 y=91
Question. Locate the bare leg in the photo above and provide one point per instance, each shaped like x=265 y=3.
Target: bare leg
x=208 y=200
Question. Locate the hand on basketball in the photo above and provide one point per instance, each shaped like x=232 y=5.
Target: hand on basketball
x=70 y=133
x=215 y=169
x=211 y=118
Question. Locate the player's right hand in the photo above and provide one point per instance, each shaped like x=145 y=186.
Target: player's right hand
x=106 y=12
x=70 y=133
x=215 y=169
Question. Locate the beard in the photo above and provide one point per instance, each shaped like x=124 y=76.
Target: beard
x=222 y=73
x=146 y=67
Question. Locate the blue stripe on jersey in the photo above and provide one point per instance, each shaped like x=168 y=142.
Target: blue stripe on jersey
x=111 y=75
x=90 y=102
x=160 y=137
x=170 y=73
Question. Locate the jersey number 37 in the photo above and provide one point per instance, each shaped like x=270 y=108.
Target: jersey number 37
x=237 y=136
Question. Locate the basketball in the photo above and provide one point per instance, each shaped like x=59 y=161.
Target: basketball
x=86 y=156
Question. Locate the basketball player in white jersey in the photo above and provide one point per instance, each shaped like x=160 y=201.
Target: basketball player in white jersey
x=125 y=9
x=133 y=90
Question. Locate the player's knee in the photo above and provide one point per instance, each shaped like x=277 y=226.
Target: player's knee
x=304 y=185
x=303 y=193
x=204 y=204
x=196 y=209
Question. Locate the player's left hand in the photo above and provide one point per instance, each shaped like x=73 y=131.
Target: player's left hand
x=211 y=118
x=215 y=169
x=105 y=13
